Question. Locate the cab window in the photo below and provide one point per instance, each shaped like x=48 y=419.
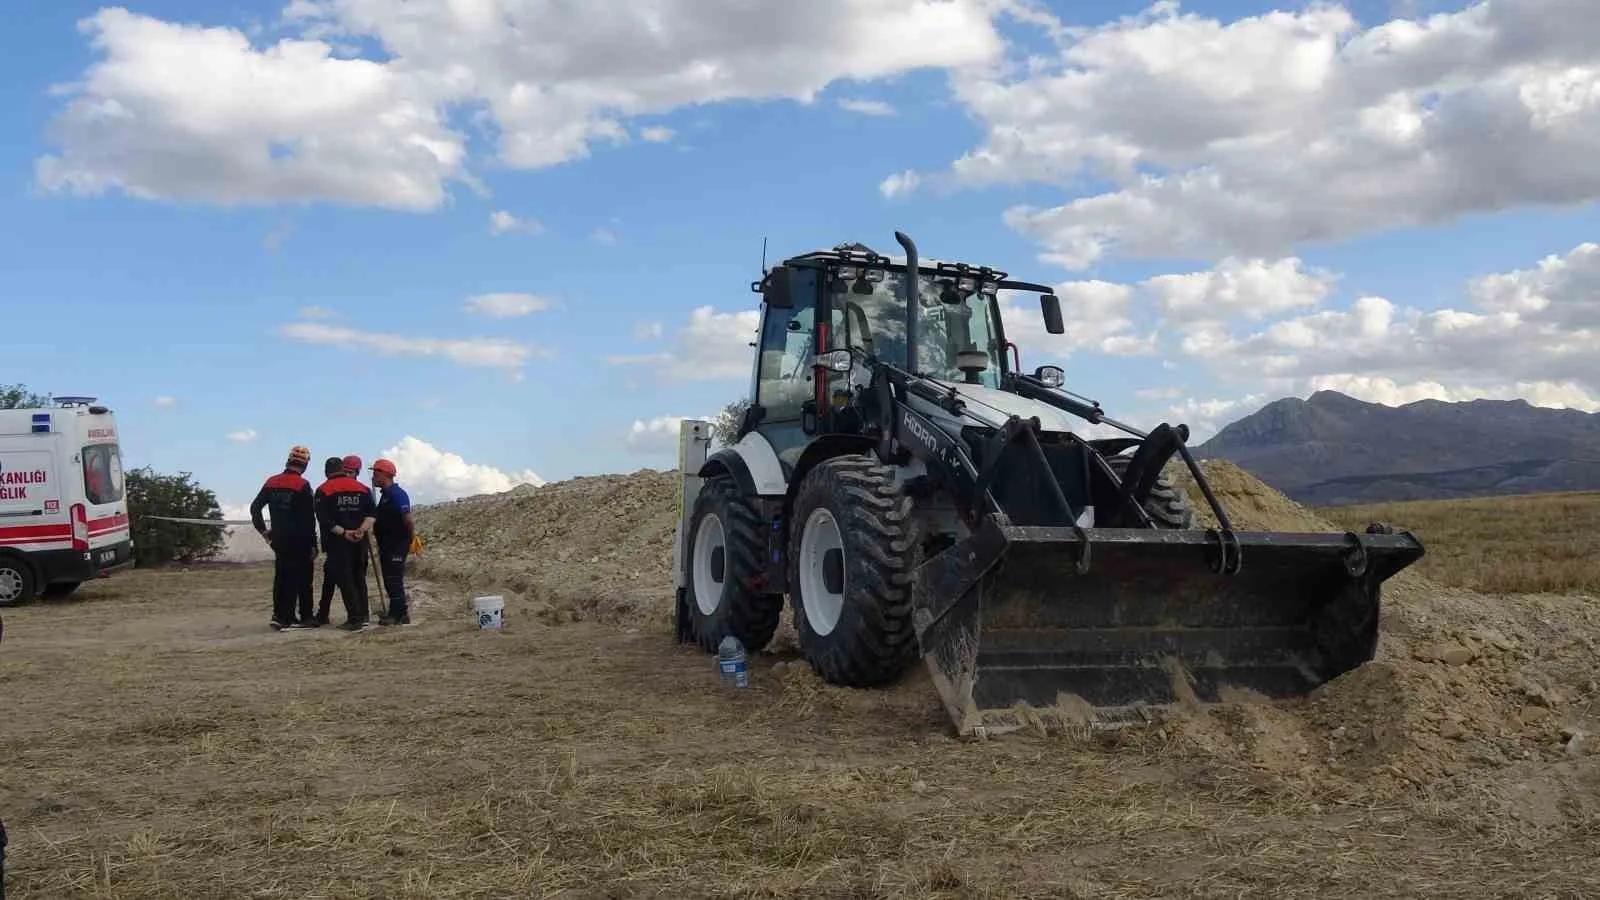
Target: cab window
x=787 y=345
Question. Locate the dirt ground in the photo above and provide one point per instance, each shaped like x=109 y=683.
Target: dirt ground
x=157 y=740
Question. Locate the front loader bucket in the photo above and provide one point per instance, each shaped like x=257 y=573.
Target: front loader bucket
x=1148 y=618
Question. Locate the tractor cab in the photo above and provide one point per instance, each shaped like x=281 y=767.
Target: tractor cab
x=831 y=318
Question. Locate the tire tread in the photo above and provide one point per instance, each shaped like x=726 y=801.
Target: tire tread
x=874 y=642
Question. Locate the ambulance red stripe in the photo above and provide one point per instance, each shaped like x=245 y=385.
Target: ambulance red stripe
x=21 y=533
x=108 y=524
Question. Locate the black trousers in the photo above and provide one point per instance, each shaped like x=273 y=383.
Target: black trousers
x=345 y=568
x=292 y=576
x=392 y=563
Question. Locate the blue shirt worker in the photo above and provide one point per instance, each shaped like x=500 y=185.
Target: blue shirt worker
x=394 y=530
x=293 y=537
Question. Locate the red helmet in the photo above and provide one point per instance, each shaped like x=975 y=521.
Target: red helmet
x=384 y=466
x=352 y=464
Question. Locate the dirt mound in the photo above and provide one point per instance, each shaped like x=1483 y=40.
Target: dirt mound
x=1250 y=504
x=595 y=548
x=1460 y=681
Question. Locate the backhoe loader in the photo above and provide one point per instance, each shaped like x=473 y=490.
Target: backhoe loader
x=914 y=493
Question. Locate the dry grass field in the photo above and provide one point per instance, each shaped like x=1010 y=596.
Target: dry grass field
x=1520 y=544
x=158 y=741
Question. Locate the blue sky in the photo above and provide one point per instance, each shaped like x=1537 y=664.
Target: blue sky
x=163 y=261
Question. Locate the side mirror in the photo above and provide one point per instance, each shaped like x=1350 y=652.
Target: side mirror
x=1050 y=376
x=1051 y=306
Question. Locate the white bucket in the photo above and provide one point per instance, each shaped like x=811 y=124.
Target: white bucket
x=490 y=612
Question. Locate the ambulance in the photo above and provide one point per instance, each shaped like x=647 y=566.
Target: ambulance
x=63 y=509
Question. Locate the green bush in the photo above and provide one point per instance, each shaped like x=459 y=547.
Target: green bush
x=157 y=542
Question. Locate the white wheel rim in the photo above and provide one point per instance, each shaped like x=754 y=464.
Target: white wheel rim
x=10 y=584
x=708 y=538
x=822 y=606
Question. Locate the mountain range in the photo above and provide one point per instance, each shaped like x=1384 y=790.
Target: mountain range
x=1332 y=449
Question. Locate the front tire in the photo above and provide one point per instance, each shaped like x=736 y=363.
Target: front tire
x=852 y=552
x=722 y=559
x=16 y=581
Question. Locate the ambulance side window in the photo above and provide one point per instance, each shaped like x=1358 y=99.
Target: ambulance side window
x=102 y=473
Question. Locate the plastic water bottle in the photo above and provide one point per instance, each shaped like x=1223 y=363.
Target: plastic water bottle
x=730 y=659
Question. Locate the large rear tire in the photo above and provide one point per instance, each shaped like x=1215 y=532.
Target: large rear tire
x=1167 y=504
x=723 y=557
x=852 y=552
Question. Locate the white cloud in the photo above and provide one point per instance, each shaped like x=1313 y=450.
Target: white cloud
x=165 y=402
x=496 y=353
x=1253 y=289
x=657 y=436
x=899 y=184
x=506 y=305
x=603 y=236
x=1207 y=417
x=1101 y=316
x=1532 y=334
x=503 y=222
x=193 y=113
x=1250 y=137
x=657 y=134
x=648 y=331
x=867 y=107
x=317 y=312
x=713 y=346
x=1377 y=337
x=1566 y=394
x=431 y=475
x=1097 y=319
x=189 y=113
x=242 y=436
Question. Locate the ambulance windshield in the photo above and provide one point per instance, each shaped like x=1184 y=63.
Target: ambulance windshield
x=102 y=473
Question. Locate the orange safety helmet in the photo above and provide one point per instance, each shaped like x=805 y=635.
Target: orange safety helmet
x=352 y=464
x=384 y=466
x=299 y=456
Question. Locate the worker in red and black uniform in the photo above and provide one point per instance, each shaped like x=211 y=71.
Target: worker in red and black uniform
x=346 y=512
x=361 y=551
x=293 y=537
x=332 y=468
x=394 y=530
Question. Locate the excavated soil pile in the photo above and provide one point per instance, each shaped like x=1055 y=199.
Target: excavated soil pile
x=1460 y=681
x=597 y=548
x=1250 y=504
